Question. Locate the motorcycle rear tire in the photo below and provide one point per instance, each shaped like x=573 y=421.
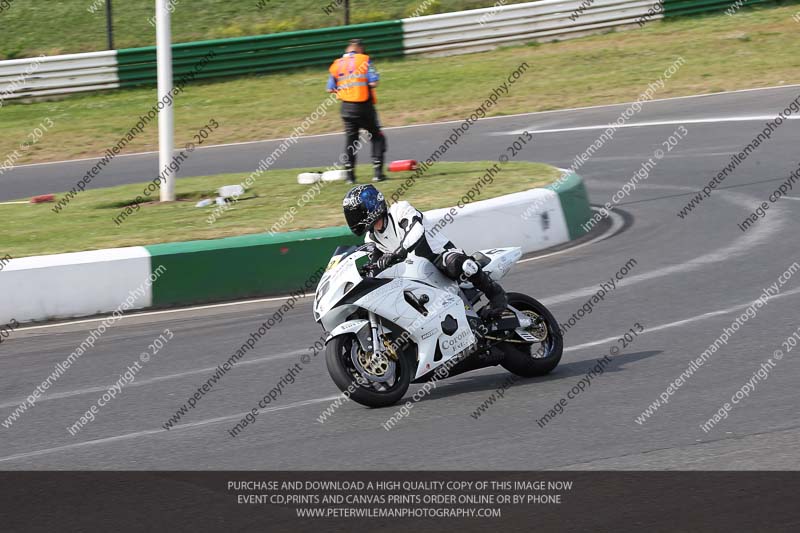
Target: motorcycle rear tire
x=518 y=360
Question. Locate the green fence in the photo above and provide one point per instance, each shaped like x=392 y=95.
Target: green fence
x=261 y=53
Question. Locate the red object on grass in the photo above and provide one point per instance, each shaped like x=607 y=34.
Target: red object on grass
x=43 y=198
x=402 y=165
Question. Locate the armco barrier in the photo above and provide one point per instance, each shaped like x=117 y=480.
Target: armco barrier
x=64 y=74
x=87 y=283
x=483 y=29
x=547 y=20
x=446 y=33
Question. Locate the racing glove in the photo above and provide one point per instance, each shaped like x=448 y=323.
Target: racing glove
x=387 y=260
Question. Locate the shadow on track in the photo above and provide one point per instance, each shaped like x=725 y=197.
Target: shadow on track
x=476 y=383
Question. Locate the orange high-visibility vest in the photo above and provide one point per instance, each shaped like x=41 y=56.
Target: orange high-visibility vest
x=350 y=73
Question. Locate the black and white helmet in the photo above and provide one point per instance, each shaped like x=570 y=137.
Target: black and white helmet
x=363 y=206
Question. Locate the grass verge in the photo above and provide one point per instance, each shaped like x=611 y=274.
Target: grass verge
x=71 y=26
x=87 y=223
x=755 y=48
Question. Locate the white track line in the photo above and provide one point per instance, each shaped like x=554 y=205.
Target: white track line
x=211 y=421
x=677 y=323
x=243 y=143
x=711 y=120
x=157 y=379
x=759 y=235
x=127 y=436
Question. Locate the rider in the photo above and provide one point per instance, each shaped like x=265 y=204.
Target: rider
x=400 y=229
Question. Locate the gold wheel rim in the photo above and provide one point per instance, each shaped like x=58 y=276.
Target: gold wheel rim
x=375 y=365
x=538 y=329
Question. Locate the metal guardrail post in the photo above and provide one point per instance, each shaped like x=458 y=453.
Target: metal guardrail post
x=109 y=25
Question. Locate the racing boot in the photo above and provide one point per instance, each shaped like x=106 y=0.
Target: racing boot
x=498 y=301
x=377 y=170
x=351 y=173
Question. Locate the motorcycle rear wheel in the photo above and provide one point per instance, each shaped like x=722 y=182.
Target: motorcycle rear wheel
x=372 y=394
x=519 y=358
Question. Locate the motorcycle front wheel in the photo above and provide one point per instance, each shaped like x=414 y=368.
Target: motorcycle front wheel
x=395 y=375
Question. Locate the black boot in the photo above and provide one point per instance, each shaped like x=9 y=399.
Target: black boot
x=351 y=173
x=377 y=171
x=498 y=301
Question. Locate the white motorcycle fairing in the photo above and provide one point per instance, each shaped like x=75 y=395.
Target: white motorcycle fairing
x=440 y=331
x=352 y=327
x=445 y=325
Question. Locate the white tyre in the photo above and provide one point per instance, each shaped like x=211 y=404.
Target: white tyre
x=308 y=178
x=334 y=175
x=230 y=191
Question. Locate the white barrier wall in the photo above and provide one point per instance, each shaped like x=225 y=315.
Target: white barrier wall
x=77 y=284
x=89 y=283
x=532 y=220
x=484 y=29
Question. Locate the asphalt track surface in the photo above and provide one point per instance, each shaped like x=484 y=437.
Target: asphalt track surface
x=692 y=278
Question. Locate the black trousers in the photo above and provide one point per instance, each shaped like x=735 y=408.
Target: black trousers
x=362 y=116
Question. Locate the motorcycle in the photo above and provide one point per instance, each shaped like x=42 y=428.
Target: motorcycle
x=410 y=324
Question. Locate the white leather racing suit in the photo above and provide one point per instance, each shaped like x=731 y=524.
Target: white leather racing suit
x=405 y=230
x=404 y=226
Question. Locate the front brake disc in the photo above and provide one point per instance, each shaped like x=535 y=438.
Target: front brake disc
x=374 y=367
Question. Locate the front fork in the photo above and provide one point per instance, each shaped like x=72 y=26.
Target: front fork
x=373 y=326
x=377 y=336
